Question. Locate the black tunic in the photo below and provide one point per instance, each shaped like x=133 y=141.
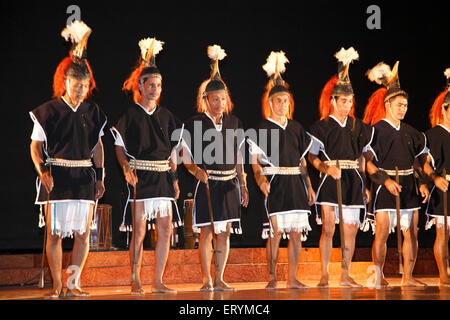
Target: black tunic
x=216 y=155
x=70 y=135
x=439 y=145
x=391 y=148
x=150 y=137
x=287 y=192
x=341 y=143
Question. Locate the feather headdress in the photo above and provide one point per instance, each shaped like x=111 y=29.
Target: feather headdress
x=343 y=85
x=215 y=53
x=442 y=101
x=150 y=47
x=78 y=33
x=383 y=75
x=274 y=67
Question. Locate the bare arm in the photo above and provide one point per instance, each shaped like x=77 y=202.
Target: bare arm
x=37 y=156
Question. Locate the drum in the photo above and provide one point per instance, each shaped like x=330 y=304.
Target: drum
x=189 y=237
x=100 y=237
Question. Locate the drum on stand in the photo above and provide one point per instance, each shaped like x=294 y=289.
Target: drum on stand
x=189 y=237
x=101 y=237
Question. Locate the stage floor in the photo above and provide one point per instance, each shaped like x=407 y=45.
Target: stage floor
x=252 y=291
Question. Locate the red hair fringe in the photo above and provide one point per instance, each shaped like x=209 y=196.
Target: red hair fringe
x=325 y=106
x=267 y=111
x=435 y=115
x=375 y=110
x=59 y=86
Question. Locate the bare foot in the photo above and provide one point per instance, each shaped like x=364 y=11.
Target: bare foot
x=161 y=288
x=295 y=284
x=77 y=292
x=323 y=283
x=207 y=287
x=411 y=282
x=136 y=288
x=444 y=282
x=220 y=285
x=272 y=285
x=56 y=292
x=347 y=281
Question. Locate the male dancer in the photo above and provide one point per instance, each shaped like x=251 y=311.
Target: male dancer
x=340 y=142
x=223 y=178
x=285 y=184
x=439 y=158
x=395 y=144
x=147 y=154
x=67 y=152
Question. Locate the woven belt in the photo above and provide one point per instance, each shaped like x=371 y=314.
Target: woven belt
x=149 y=165
x=344 y=164
x=281 y=170
x=406 y=172
x=221 y=175
x=69 y=163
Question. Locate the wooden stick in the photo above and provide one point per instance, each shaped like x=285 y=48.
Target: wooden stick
x=341 y=219
x=133 y=221
x=399 y=230
x=41 y=283
x=446 y=225
x=211 y=218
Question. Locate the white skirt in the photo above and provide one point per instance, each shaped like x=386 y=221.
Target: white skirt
x=67 y=217
x=438 y=220
x=294 y=221
x=350 y=215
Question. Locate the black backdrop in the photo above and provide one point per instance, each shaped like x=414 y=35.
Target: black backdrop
x=31 y=48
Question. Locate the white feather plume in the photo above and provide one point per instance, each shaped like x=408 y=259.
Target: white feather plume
x=276 y=60
x=347 y=56
x=146 y=43
x=75 y=31
x=379 y=72
x=215 y=52
x=447 y=73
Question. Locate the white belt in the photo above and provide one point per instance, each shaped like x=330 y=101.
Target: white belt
x=69 y=163
x=343 y=164
x=281 y=170
x=221 y=175
x=150 y=165
x=405 y=172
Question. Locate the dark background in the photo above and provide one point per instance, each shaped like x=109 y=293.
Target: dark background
x=414 y=33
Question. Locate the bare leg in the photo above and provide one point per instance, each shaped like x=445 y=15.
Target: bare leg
x=410 y=247
x=294 y=248
x=350 y=231
x=54 y=254
x=379 y=244
x=223 y=246
x=164 y=230
x=326 y=242
x=272 y=246
x=79 y=255
x=439 y=254
x=206 y=253
x=136 y=254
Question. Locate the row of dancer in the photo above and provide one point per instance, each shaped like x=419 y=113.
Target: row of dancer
x=67 y=151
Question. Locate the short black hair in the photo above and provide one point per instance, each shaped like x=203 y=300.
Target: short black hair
x=78 y=71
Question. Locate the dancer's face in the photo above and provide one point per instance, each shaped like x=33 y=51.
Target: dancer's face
x=344 y=105
x=151 y=88
x=280 y=105
x=217 y=101
x=77 y=88
x=397 y=107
